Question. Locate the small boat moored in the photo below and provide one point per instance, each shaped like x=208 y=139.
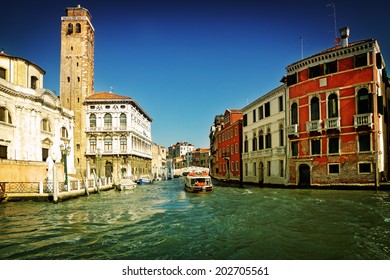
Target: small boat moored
x=144 y=180
x=198 y=182
x=126 y=184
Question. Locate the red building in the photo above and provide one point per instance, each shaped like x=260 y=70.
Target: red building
x=338 y=116
x=228 y=152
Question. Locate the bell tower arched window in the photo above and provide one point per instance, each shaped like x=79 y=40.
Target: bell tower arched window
x=78 y=28
x=70 y=28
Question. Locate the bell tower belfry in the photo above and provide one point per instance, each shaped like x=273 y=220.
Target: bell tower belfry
x=77 y=74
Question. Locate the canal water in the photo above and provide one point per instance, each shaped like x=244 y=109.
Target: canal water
x=162 y=221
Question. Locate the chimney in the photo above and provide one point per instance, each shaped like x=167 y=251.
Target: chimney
x=344 y=33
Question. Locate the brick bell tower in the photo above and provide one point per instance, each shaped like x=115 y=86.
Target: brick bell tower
x=77 y=74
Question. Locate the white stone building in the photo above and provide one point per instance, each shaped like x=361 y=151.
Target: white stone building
x=264 y=154
x=119 y=137
x=33 y=125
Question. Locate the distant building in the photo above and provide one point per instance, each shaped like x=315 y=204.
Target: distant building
x=338 y=116
x=159 y=161
x=264 y=155
x=200 y=157
x=228 y=155
x=180 y=149
x=33 y=125
x=214 y=130
x=119 y=136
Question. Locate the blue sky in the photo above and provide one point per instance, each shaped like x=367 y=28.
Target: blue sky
x=186 y=61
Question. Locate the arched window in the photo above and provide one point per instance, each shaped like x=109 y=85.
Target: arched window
x=107 y=144
x=107 y=121
x=268 y=139
x=254 y=142
x=123 y=143
x=70 y=28
x=246 y=144
x=333 y=107
x=78 y=27
x=92 y=120
x=315 y=109
x=45 y=125
x=34 y=82
x=5 y=115
x=123 y=121
x=364 y=100
x=294 y=113
x=261 y=140
x=64 y=132
x=92 y=144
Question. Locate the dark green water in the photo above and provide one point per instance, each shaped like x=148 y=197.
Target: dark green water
x=162 y=221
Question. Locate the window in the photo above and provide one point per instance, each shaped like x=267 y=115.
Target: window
x=5 y=115
x=246 y=169
x=70 y=28
x=268 y=139
x=123 y=121
x=364 y=167
x=78 y=27
x=292 y=79
x=315 y=71
x=236 y=148
x=261 y=140
x=261 y=113
x=315 y=147
x=245 y=120
x=3 y=151
x=237 y=166
x=294 y=148
x=34 y=82
x=254 y=169
x=107 y=121
x=333 y=109
x=45 y=125
x=364 y=143
x=254 y=115
x=360 y=60
x=267 y=110
x=108 y=144
x=45 y=154
x=92 y=120
x=331 y=67
x=333 y=145
x=364 y=100
x=294 y=113
x=246 y=144
x=333 y=168
x=64 y=132
x=232 y=166
x=92 y=144
x=3 y=72
x=281 y=168
x=123 y=143
x=254 y=142
x=315 y=108
x=281 y=135
x=280 y=103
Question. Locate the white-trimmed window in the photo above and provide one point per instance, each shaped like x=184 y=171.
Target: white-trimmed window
x=333 y=168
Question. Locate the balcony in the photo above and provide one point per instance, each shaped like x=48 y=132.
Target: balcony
x=313 y=126
x=292 y=129
x=362 y=120
x=332 y=123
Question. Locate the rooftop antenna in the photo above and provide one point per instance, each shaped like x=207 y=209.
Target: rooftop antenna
x=333 y=5
x=301 y=47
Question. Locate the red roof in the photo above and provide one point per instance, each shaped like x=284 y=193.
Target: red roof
x=106 y=95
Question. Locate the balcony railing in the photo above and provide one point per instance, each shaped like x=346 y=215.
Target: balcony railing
x=292 y=129
x=313 y=126
x=332 y=123
x=362 y=120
